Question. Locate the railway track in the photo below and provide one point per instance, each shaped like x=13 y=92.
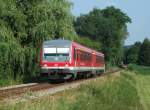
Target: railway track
x=14 y=92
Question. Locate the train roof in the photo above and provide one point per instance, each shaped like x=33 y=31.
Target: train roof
x=59 y=43
x=81 y=47
x=67 y=43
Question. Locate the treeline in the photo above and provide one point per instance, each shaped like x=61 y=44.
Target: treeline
x=139 y=53
x=25 y=24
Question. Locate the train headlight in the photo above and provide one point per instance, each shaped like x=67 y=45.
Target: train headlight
x=66 y=65
x=45 y=65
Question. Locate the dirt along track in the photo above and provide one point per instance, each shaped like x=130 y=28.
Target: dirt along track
x=15 y=92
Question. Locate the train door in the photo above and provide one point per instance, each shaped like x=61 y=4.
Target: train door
x=76 y=57
x=93 y=60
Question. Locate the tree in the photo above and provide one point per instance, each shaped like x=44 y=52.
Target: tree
x=144 y=54
x=132 y=53
x=109 y=27
x=117 y=15
x=88 y=42
x=25 y=24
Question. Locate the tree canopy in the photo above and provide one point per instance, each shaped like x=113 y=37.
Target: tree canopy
x=144 y=53
x=139 y=53
x=131 y=54
x=109 y=27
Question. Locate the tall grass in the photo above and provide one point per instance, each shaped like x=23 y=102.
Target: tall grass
x=10 y=81
x=143 y=83
x=112 y=93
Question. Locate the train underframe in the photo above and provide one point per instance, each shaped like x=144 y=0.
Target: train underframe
x=67 y=74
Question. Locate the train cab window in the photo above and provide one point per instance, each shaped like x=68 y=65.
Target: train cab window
x=56 y=54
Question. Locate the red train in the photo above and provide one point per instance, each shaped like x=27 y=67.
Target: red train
x=64 y=59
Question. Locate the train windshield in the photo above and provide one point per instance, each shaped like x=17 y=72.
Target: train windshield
x=56 y=54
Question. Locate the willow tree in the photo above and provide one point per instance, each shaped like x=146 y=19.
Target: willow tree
x=25 y=24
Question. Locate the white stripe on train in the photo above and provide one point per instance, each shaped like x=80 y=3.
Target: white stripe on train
x=76 y=68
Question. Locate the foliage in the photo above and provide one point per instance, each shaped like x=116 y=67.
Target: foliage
x=88 y=42
x=131 y=54
x=25 y=24
x=108 y=26
x=144 y=54
x=139 y=53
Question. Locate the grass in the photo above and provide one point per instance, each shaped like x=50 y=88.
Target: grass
x=114 y=92
x=143 y=84
x=20 y=80
x=10 y=82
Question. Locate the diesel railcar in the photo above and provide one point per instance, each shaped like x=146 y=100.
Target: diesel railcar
x=64 y=59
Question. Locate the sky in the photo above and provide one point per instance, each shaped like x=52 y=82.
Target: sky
x=137 y=10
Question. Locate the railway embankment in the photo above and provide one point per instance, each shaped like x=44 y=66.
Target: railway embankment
x=122 y=91
x=40 y=89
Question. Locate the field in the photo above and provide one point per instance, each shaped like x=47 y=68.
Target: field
x=128 y=90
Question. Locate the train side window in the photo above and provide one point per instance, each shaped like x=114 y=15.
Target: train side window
x=82 y=56
x=98 y=59
x=85 y=56
x=78 y=54
x=89 y=57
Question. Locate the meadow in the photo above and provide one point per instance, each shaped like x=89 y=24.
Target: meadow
x=128 y=90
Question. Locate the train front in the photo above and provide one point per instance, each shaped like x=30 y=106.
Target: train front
x=56 y=59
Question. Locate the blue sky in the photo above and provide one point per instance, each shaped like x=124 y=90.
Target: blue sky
x=137 y=10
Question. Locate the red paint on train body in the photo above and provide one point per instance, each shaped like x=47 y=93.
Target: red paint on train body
x=70 y=58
